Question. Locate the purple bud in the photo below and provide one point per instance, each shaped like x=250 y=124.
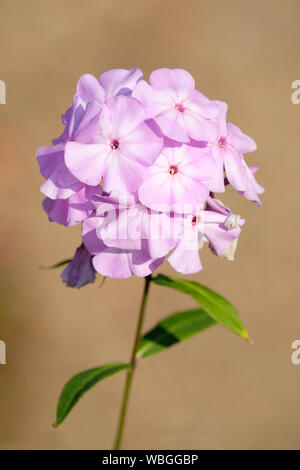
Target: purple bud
x=80 y=270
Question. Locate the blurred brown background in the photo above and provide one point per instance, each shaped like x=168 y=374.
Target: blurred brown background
x=214 y=391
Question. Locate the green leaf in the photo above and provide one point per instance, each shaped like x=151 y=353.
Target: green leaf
x=214 y=304
x=58 y=265
x=174 y=329
x=80 y=384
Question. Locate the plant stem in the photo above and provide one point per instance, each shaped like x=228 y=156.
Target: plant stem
x=131 y=369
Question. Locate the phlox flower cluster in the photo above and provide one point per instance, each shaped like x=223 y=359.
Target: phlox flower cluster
x=139 y=165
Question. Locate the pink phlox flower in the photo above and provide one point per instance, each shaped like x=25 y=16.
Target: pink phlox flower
x=125 y=147
x=228 y=151
x=181 y=111
x=177 y=180
x=219 y=227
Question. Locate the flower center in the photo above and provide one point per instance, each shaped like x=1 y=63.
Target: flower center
x=195 y=220
x=114 y=144
x=222 y=142
x=179 y=107
x=173 y=169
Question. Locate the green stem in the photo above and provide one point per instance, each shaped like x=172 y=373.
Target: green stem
x=131 y=369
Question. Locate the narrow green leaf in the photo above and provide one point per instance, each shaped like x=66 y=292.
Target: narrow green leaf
x=174 y=329
x=79 y=384
x=214 y=304
x=58 y=265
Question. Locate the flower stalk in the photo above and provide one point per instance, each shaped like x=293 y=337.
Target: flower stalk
x=130 y=372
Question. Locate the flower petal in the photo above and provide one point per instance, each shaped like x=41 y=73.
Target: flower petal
x=216 y=183
x=188 y=194
x=88 y=89
x=221 y=119
x=123 y=229
x=120 y=81
x=120 y=116
x=172 y=124
x=154 y=101
x=202 y=106
x=141 y=264
x=60 y=183
x=122 y=174
x=220 y=239
x=235 y=170
x=198 y=163
x=69 y=211
x=241 y=142
x=142 y=145
x=185 y=257
x=253 y=188
x=89 y=235
x=113 y=263
x=87 y=129
x=158 y=229
x=157 y=190
x=198 y=127
x=178 y=83
x=86 y=161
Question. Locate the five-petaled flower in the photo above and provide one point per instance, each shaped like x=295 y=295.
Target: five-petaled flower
x=124 y=146
x=181 y=111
